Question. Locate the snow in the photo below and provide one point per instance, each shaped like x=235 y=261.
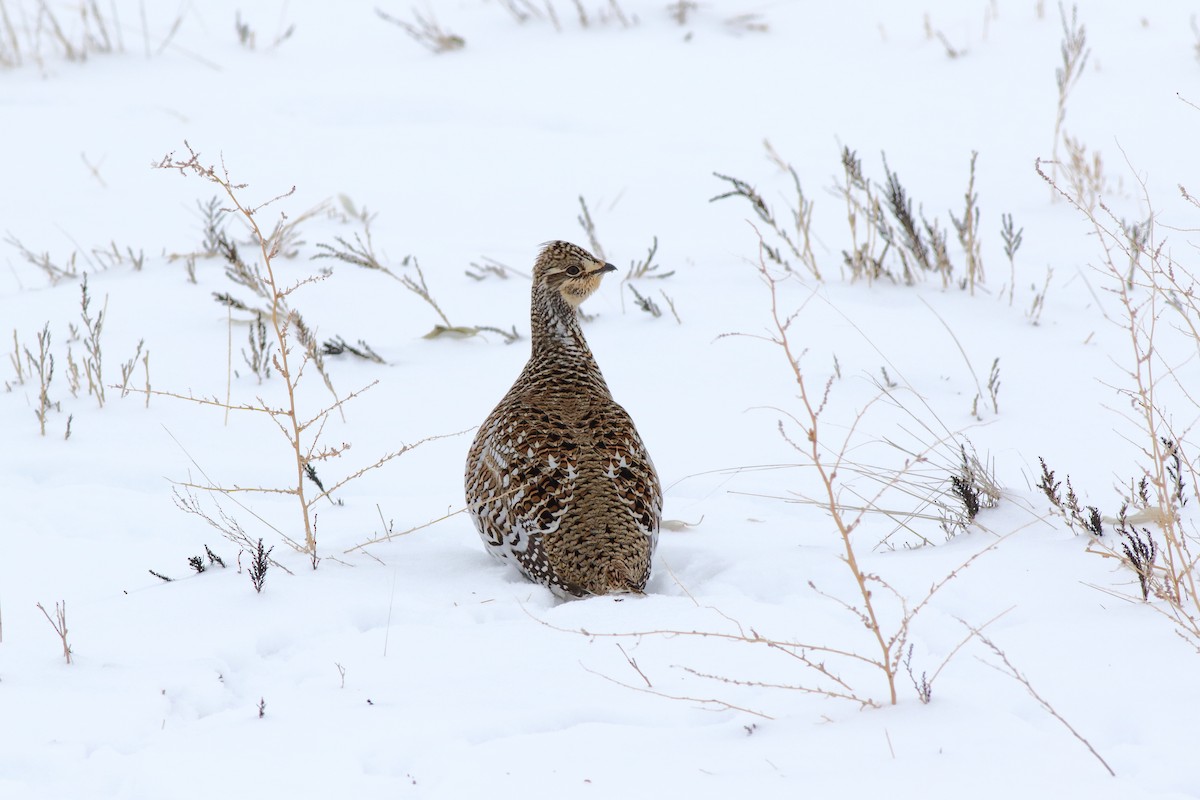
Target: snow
x=420 y=666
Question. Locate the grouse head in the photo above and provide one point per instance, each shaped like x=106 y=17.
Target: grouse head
x=570 y=271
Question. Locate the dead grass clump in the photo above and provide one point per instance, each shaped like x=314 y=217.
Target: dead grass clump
x=890 y=237
x=1083 y=174
x=426 y=31
x=40 y=362
x=34 y=31
x=602 y=13
x=682 y=10
x=69 y=268
x=55 y=270
x=248 y=37
x=751 y=22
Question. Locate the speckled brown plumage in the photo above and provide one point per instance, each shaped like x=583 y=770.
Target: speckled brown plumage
x=558 y=480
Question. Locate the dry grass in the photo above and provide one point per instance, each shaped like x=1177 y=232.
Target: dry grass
x=1083 y=174
x=587 y=15
x=968 y=231
x=248 y=36
x=682 y=10
x=39 y=363
x=33 y=32
x=426 y=31
x=56 y=270
x=890 y=237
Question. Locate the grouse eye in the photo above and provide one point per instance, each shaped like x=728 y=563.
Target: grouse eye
x=573 y=270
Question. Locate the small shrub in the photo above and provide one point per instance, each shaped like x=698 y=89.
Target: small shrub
x=1068 y=507
x=260 y=562
x=1140 y=553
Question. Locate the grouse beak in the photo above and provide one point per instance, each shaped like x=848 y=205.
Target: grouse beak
x=606 y=268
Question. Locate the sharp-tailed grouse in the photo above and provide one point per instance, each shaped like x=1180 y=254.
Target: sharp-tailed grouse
x=558 y=480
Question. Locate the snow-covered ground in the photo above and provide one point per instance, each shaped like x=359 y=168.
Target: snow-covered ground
x=421 y=666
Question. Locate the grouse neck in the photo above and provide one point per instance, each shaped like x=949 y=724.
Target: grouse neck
x=555 y=328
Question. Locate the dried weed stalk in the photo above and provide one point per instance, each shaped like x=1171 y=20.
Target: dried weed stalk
x=93 y=362
x=42 y=365
x=301 y=428
x=889 y=645
x=59 y=623
x=589 y=227
x=865 y=218
x=1083 y=175
x=1160 y=304
x=968 y=231
x=1074 y=52
x=1012 y=237
x=488 y=267
x=647 y=269
x=880 y=609
x=1019 y=677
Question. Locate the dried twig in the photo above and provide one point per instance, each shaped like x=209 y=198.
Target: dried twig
x=1018 y=676
x=59 y=623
